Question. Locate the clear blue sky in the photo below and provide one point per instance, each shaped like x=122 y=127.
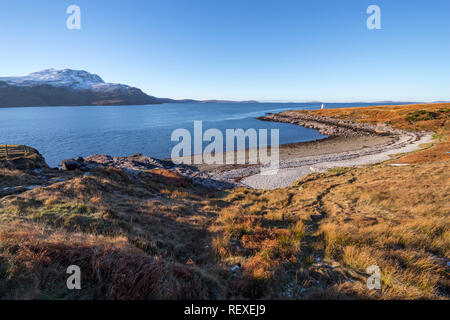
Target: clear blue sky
x=290 y=50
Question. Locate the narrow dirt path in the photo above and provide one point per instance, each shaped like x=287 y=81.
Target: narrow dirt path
x=316 y=271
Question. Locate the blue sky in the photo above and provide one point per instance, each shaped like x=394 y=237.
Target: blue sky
x=285 y=50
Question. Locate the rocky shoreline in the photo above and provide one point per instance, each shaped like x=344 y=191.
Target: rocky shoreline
x=138 y=163
x=30 y=171
x=293 y=168
x=344 y=135
x=330 y=126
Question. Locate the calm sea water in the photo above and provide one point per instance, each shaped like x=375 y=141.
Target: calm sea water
x=67 y=132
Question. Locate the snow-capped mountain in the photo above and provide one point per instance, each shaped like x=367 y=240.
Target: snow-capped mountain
x=77 y=79
x=53 y=87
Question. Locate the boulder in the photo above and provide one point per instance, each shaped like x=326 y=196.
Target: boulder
x=71 y=164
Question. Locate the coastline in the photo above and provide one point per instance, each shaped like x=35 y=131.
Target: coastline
x=292 y=151
x=348 y=144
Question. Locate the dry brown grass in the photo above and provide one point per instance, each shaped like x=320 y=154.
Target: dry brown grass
x=396 y=218
x=162 y=239
x=396 y=116
x=349 y=219
x=34 y=261
x=13 y=178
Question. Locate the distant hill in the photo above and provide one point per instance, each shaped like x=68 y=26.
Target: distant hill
x=167 y=100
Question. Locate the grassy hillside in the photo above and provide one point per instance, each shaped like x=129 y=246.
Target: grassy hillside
x=158 y=236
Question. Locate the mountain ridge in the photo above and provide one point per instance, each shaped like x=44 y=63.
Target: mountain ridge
x=67 y=87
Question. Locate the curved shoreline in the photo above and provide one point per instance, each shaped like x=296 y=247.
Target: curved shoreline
x=293 y=168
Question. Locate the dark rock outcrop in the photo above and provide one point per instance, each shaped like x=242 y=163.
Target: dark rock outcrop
x=138 y=163
x=21 y=158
